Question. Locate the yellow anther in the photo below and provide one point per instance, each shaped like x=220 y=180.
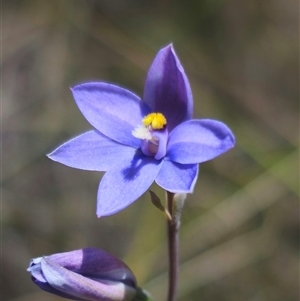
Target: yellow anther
x=156 y=120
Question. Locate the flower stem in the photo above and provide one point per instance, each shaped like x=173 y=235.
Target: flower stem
x=173 y=242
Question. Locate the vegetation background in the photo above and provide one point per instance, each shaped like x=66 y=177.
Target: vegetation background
x=239 y=236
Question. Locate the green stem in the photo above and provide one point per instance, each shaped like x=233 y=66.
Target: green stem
x=173 y=242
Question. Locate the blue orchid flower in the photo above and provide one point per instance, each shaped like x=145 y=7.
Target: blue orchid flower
x=139 y=141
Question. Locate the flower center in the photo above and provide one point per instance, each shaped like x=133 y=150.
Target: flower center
x=153 y=134
x=155 y=120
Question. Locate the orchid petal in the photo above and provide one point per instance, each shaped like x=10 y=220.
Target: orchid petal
x=177 y=178
x=39 y=279
x=124 y=184
x=167 y=88
x=162 y=136
x=48 y=288
x=95 y=263
x=112 y=110
x=91 y=151
x=197 y=141
x=79 y=286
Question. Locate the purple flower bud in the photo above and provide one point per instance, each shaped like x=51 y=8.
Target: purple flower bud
x=87 y=274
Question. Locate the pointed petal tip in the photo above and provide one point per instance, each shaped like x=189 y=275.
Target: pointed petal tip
x=170 y=46
x=52 y=156
x=78 y=86
x=102 y=213
x=229 y=140
x=168 y=49
x=87 y=85
x=233 y=140
x=49 y=155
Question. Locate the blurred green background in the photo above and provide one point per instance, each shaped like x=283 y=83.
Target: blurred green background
x=239 y=235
